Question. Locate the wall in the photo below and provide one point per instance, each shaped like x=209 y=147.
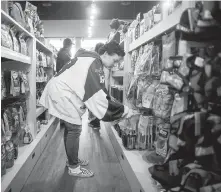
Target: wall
x=76 y=28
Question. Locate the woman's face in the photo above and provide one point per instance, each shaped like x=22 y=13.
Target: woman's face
x=110 y=60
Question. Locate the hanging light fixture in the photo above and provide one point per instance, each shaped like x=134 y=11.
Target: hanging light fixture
x=92 y=17
x=91 y=23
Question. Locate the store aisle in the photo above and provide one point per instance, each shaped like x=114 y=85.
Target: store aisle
x=51 y=175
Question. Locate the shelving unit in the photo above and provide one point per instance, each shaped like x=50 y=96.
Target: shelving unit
x=28 y=156
x=40 y=46
x=39 y=111
x=134 y=167
x=117 y=73
x=133 y=164
x=14 y=56
x=16 y=176
x=162 y=27
x=8 y=20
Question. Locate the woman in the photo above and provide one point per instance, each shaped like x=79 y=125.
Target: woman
x=80 y=85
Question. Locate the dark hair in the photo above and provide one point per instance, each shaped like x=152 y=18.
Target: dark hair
x=114 y=24
x=112 y=48
x=98 y=46
x=67 y=43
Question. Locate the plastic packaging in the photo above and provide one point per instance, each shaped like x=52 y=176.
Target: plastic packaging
x=10 y=156
x=148 y=95
x=162 y=142
x=169 y=47
x=22 y=43
x=3 y=87
x=14 y=40
x=163 y=101
x=25 y=89
x=6 y=40
x=145 y=131
x=15 y=87
x=3 y=160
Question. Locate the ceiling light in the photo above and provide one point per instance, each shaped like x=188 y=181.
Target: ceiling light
x=93 y=6
x=92 y=17
x=125 y=3
x=94 y=11
x=91 y=23
x=46 y=4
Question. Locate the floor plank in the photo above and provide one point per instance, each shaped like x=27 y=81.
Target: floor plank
x=51 y=175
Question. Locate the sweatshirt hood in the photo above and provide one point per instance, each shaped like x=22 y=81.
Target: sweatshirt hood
x=84 y=53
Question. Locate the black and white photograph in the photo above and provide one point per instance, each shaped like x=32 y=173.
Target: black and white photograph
x=110 y=96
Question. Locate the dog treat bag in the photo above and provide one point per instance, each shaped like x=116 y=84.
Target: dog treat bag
x=15 y=84
x=162 y=142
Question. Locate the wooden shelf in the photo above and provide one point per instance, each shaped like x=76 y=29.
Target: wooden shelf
x=39 y=111
x=160 y=28
x=41 y=47
x=136 y=164
x=14 y=56
x=6 y=19
x=117 y=73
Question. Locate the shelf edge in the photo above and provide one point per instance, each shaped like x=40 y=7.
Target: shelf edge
x=39 y=111
x=160 y=28
x=14 y=56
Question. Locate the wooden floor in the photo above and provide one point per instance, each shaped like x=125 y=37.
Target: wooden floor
x=50 y=173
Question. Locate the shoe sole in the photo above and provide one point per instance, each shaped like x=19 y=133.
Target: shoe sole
x=79 y=175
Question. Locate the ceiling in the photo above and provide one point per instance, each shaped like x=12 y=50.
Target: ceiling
x=79 y=10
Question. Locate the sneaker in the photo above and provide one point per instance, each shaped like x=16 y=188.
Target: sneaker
x=80 y=172
x=80 y=161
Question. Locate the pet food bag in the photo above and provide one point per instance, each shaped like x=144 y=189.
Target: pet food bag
x=163 y=101
x=148 y=95
x=24 y=83
x=156 y=68
x=142 y=83
x=180 y=104
x=162 y=142
x=7 y=126
x=169 y=47
x=23 y=45
x=9 y=148
x=6 y=40
x=175 y=81
x=16 y=12
x=145 y=130
x=15 y=87
x=14 y=40
x=3 y=86
x=3 y=159
x=27 y=136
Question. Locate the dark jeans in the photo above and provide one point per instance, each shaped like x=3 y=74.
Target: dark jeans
x=72 y=134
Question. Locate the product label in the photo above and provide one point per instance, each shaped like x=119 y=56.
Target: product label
x=163 y=133
x=199 y=62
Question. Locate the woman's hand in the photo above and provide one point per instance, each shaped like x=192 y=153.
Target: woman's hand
x=132 y=113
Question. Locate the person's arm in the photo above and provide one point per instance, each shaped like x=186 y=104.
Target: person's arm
x=96 y=97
